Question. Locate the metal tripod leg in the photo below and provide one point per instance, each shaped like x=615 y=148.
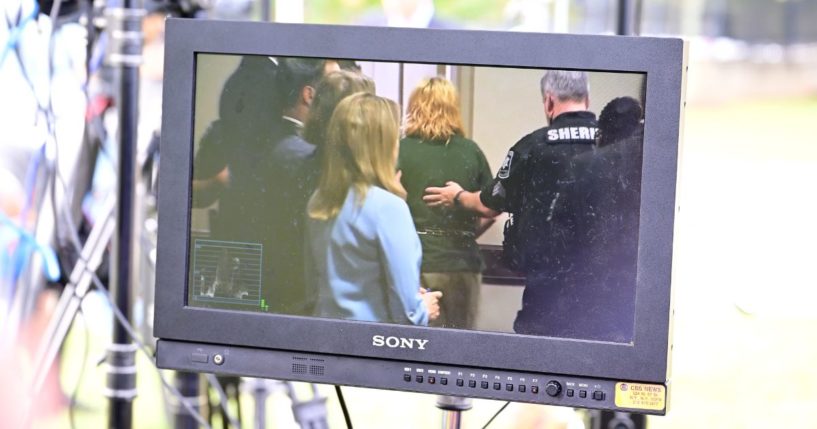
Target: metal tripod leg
x=311 y=413
x=260 y=390
x=78 y=285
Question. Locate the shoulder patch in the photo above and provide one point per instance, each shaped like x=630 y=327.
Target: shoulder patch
x=498 y=191
x=505 y=169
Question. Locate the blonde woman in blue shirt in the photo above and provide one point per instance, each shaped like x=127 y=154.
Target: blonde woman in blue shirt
x=365 y=254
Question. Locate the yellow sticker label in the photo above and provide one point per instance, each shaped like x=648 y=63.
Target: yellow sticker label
x=641 y=396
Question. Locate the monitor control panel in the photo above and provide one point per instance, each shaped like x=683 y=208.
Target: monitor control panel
x=550 y=389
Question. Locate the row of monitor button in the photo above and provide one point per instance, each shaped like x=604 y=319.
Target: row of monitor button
x=431 y=379
x=471 y=383
x=497 y=386
x=597 y=395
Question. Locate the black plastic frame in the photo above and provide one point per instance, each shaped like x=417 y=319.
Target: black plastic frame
x=645 y=359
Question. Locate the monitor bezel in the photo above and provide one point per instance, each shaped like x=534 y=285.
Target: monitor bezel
x=661 y=59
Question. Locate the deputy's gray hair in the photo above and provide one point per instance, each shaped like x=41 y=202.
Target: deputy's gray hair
x=565 y=85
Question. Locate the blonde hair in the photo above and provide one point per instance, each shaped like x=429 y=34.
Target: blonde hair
x=360 y=152
x=333 y=88
x=433 y=111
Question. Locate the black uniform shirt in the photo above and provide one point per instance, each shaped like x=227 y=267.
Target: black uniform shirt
x=582 y=248
x=528 y=182
x=504 y=194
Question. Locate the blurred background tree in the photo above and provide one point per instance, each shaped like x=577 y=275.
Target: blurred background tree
x=755 y=21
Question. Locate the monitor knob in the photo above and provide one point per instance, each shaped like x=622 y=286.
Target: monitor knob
x=553 y=388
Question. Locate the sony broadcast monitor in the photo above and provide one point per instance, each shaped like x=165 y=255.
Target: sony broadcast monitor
x=456 y=212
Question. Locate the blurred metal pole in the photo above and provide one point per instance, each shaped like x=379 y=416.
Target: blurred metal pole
x=312 y=413
x=265 y=10
x=452 y=407
x=790 y=28
x=188 y=385
x=125 y=54
x=260 y=390
x=451 y=419
x=627 y=17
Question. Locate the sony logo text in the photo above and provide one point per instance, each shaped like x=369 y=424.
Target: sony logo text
x=398 y=342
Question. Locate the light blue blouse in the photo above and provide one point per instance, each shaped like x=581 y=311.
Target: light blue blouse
x=365 y=263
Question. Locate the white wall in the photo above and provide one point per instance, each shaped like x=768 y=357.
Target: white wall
x=212 y=72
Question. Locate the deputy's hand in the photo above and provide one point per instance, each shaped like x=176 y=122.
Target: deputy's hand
x=444 y=197
x=432 y=302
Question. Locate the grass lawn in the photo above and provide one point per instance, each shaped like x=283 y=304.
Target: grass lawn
x=745 y=294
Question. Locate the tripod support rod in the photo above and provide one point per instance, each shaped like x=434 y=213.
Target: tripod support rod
x=452 y=408
x=125 y=54
x=78 y=285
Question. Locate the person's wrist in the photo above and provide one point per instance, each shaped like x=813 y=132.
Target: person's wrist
x=457 y=198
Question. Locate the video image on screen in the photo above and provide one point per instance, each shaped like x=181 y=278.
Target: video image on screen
x=395 y=193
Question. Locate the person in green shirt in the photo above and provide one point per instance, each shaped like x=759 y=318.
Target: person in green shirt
x=433 y=153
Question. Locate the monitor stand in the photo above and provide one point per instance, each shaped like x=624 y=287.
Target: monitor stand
x=452 y=407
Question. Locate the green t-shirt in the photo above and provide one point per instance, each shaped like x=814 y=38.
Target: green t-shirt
x=447 y=234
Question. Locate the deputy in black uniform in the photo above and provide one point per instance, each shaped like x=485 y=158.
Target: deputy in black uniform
x=536 y=184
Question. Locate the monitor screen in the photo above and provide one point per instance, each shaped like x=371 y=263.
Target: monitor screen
x=289 y=215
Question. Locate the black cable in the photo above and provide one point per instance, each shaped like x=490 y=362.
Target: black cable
x=87 y=349
x=343 y=407
x=54 y=14
x=496 y=414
